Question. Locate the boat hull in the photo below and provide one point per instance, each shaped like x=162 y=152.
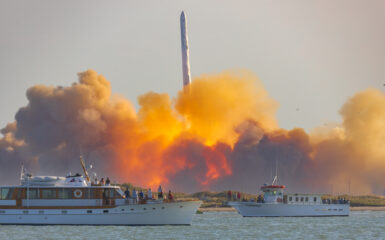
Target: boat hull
x=173 y=213
x=252 y=209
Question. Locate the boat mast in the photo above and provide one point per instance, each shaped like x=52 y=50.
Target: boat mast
x=84 y=168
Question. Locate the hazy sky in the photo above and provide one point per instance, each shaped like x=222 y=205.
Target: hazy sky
x=310 y=55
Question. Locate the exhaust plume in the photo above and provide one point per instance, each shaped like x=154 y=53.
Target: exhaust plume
x=220 y=134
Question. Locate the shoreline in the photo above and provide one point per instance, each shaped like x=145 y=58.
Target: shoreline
x=230 y=209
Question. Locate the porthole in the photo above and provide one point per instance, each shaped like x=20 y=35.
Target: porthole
x=180 y=206
x=144 y=209
x=162 y=207
x=105 y=211
x=41 y=212
x=132 y=209
x=64 y=212
x=153 y=208
x=122 y=209
x=89 y=211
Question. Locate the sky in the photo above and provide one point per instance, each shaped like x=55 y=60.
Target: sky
x=310 y=55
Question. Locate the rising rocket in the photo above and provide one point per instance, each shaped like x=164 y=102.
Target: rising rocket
x=185 y=51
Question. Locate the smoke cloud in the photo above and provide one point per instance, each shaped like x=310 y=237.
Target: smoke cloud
x=220 y=134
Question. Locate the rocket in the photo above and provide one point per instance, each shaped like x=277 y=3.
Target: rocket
x=185 y=51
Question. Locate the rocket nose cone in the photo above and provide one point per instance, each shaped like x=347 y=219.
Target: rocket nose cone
x=182 y=16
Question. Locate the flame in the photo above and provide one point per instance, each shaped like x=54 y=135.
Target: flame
x=206 y=114
x=218 y=133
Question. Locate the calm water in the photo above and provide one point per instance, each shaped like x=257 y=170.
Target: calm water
x=224 y=225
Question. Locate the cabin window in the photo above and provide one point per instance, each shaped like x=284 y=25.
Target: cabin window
x=32 y=193
x=64 y=212
x=89 y=193
x=315 y=199
x=296 y=199
x=307 y=199
x=301 y=199
x=66 y=193
x=290 y=199
x=111 y=193
x=19 y=193
x=48 y=193
x=105 y=211
x=6 y=193
x=3 y=193
x=89 y=211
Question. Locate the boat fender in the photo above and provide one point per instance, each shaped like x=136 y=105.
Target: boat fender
x=78 y=193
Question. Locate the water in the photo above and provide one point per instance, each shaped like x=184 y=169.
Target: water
x=222 y=225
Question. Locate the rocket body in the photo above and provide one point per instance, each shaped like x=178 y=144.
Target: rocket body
x=185 y=50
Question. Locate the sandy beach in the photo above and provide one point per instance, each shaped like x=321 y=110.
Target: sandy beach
x=230 y=209
x=368 y=208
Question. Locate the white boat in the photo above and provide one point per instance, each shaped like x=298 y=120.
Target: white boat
x=276 y=204
x=74 y=200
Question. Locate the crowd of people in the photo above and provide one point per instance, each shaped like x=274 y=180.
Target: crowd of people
x=233 y=196
x=140 y=196
x=137 y=195
x=102 y=182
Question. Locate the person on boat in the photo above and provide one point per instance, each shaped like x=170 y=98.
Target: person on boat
x=96 y=181
x=101 y=182
x=149 y=193
x=170 y=196
x=134 y=195
x=108 y=181
x=127 y=193
x=229 y=195
x=239 y=196
x=141 y=195
x=160 y=192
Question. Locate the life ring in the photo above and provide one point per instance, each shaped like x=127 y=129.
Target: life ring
x=78 y=193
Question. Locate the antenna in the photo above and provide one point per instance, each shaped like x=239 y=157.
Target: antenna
x=22 y=173
x=275 y=179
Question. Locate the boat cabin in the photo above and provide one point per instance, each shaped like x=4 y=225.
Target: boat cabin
x=273 y=193
x=47 y=191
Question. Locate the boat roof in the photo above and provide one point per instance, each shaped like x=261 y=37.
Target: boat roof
x=273 y=186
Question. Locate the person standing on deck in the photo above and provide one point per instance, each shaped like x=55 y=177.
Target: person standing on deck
x=149 y=193
x=134 y=195
x=170 y=196
x=101 y=182
x=160 y=192
x=127 y=193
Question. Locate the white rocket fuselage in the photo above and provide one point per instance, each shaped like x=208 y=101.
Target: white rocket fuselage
x=185 y=50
